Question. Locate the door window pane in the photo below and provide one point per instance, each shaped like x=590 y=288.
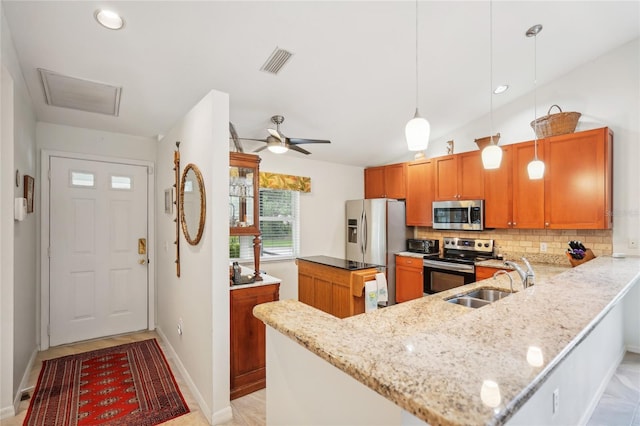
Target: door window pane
x=83 y=179
x=121 y=182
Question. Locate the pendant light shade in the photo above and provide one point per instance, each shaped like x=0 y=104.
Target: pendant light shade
x=535 y=169
x=492 y=153
x=418 y=128
x=417 y=133
x=491 y=156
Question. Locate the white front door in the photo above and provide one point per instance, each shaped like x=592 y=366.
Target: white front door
x=98 y=225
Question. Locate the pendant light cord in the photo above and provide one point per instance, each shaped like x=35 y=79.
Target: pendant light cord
x=491 y=69
x=417 y=86
x=535 y=94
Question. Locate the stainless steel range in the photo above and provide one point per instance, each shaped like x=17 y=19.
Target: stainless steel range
x=456 y=266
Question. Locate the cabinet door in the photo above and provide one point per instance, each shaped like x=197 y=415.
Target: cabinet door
x=374 y=182
x=578 y=188
x=486 y=272
x=419 y=193
x=248 y=361
x=409 y=278
x=395 y=181
x=498 y=189
x=446 y=178
x=470 y=176
x=528 y=195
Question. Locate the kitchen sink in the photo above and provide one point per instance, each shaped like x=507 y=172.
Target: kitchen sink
x=478 y=298
x=488 y=294
x=469 y=302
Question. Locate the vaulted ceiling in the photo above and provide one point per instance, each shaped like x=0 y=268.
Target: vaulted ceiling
x=351 y=78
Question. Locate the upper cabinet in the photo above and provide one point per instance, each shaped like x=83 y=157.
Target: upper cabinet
x=243 y=194
x=575 y=193
x=578 y=183
x=385 y=181
x=419 y=193
x=459 y=177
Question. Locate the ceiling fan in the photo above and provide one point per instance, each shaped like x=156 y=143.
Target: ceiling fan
x=279 y=143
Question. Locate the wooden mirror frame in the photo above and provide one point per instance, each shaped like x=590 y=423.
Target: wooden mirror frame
x=203 y=205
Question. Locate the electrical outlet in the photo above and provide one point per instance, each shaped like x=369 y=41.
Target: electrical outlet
x=180 y=325
x=543 y=247
x=633 y=243
x=556 y=400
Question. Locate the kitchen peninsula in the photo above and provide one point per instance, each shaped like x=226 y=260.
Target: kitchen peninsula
x=333 y=285
x=428 y=360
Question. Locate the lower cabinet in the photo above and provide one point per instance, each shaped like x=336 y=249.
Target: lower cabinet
x=485 y=272
x=409 y=278
x=248 y=359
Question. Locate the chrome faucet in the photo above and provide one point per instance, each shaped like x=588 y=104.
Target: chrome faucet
x=528 y=277
x=502 y=271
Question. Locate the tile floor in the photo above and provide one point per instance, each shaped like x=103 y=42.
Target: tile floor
x=620 y=402
x=619 y=405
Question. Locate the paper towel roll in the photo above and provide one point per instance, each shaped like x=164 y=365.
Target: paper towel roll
x=370 y=296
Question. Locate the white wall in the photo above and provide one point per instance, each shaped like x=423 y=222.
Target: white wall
x=607 y=93
x=632 y=319
x=19 y=242
x=201 y=295
x=322 y=210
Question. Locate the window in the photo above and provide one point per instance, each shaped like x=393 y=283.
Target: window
x=83 y=179
x=279 y=224
x=121 y=182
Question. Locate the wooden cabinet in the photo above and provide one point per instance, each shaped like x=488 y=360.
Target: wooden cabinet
x=419 y=199
x=485 y=272
x=498 y=193
x=575 y=193
x=578 y=184
x=409 y=278
x=339 y=292
x=385 y=181
x=247 y=348
x=244 y=201
x=459 y=177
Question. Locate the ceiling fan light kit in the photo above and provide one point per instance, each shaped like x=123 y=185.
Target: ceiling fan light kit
x=278 y=143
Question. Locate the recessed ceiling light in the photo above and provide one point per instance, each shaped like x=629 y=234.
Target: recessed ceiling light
x=501 y=89
x=109 y=19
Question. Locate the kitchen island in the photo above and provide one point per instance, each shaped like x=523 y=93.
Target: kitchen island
x=334 y=285
x=432 y=361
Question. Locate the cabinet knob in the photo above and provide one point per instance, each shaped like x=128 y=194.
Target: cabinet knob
x=508 y=223
x=546 y=224
x=514 y=224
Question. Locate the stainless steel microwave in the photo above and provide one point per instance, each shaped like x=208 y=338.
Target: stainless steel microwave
x=464 y=215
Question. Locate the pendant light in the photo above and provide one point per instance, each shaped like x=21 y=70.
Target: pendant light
x=492 y=153
x=535 y=168
x=418 y=128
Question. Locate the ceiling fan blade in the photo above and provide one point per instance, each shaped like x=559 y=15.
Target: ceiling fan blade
x=297 y=148
x=275 y=134
x=298 y=141
x=262 y=148
x=252 y=139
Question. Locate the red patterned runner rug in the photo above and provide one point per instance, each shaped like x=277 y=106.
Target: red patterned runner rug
x=123 y=385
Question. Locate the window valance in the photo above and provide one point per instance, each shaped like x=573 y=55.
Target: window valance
x=287 y=182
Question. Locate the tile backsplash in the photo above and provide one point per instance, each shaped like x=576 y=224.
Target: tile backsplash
x=515 y=243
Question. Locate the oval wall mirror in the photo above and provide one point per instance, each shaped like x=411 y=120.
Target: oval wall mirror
x=192 y=204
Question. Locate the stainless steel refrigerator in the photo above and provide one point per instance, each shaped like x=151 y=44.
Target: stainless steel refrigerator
x=376 y=231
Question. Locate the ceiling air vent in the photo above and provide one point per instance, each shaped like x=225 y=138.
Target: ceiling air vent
x=84 y=95
x=276 y=61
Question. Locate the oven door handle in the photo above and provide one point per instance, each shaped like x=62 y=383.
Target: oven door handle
x=456 y=267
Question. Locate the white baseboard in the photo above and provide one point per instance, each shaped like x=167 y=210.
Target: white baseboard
x=7 y=412
x=603 y=386
x=222 y=416
x=206 y=411
x=25 y=381
x=634 y=349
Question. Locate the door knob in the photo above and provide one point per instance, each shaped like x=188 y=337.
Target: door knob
x=142 y=261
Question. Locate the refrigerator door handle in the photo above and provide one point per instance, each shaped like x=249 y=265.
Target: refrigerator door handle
x=365 y=237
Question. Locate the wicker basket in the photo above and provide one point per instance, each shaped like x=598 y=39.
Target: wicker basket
x=555 y=124
x=482 y=142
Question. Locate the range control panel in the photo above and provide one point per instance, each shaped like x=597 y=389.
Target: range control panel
x=470 y=244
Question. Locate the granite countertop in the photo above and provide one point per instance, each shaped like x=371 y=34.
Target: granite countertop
x=248 y=272
x=411 y=254
x=335 y=262
x=417 y=353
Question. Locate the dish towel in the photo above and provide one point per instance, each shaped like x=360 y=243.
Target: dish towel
x=383 y=295
x=370 y=296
